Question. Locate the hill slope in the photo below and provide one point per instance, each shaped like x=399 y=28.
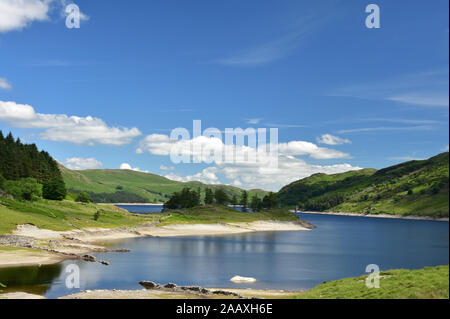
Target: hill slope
x=411 y=188
x=109 y=185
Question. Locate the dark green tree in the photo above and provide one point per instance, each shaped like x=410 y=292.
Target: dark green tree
x=83 y=198
x=54 y=189
x=221 y=197
x=209 y=196
x=256 y=204
x=244 y=200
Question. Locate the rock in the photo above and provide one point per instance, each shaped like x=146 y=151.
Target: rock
x=170 y=285
x=240 y=279
x=149 y=284
x=104 y=262
x=89 y=258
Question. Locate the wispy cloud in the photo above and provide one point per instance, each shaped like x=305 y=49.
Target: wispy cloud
x=386 y=128
x=254 y=121
x=272 y=50
x=4 y=84
x=423 y=89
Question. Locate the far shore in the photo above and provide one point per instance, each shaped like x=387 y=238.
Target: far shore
x=76 y=243
x=133 y=204
x=412 y=217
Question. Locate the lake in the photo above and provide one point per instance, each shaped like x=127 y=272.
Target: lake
x=142 y=209
x=341 y=246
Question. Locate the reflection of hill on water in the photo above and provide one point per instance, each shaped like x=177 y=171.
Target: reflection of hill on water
x=33 y=279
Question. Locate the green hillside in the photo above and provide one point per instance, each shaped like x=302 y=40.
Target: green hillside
x=109 y=186
x=411 y=188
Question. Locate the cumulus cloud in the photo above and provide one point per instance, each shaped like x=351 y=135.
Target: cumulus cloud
x=18 y=14
x=206 y=176
x=77 y=163
x=166 y=168
x=63 y=128
x=248 y=174
x=127 y=166
x=332 y=140
x=202 y=149
x=4 y=84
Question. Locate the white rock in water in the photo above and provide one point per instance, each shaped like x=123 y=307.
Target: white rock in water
x=242 y=279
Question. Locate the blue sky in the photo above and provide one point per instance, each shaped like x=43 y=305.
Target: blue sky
x=308 y=68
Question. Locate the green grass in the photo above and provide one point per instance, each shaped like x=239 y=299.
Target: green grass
x=148 y=187
x=412 y=188
x=428 y=283
x=222 y=214
x=65 y=215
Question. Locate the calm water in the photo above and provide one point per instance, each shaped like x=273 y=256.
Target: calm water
x=340 y=247
x=142 y=209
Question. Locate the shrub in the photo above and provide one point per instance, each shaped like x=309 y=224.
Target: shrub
x=2 y=181
x=23 y=189
x=83 y=198
x=54 y=189
x=97 y=215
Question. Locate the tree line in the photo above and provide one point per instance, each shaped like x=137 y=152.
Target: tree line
x=188 y=198
x=26 y=172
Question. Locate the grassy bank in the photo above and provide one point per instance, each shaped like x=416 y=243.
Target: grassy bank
x=428 y=283
x=419 y=188
x=222 y=214
x=65 y=215
x=68 y=215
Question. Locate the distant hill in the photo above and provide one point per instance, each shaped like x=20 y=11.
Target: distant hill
x=113 y=186
x=410 y=188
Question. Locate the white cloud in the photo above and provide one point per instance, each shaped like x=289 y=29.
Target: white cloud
x=255 y=174
x=206 y=176
x=202 y=147
x=18 y=14
x=77 y=163
x=4 y=84
x=166 y=168
x=63 y=128
x=289 y=170
x=299 y=148
x=332 y=140
x=445 y=149
x=127 y=166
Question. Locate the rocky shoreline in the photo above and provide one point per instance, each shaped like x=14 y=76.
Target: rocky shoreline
x=53 y=247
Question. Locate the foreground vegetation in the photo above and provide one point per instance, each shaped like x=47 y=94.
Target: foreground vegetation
x=411 y=188
x=428 y=283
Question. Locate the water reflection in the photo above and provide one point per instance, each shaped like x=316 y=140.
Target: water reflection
x=339 y=247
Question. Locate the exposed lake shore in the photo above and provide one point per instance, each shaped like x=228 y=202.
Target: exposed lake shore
x=29 y=245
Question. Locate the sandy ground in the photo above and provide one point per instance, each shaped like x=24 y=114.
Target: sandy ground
x=84 y=241
x=23 y=257
x=161 y=294
x=20 y=295
x=443 y=219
